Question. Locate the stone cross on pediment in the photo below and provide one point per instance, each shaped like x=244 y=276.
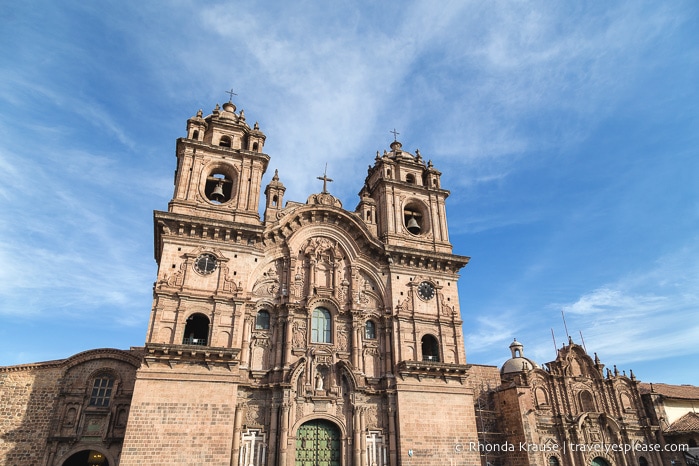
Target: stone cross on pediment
x=325 y=179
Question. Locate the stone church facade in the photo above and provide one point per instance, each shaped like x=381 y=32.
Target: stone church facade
x=561 y=410
x=314 y=335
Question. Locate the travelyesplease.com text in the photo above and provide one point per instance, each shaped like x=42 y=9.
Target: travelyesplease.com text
x=568 y=447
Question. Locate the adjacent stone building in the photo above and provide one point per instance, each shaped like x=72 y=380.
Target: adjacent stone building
x=673 y=412
x=309 y=335
x=71 y=412
x=562 y=411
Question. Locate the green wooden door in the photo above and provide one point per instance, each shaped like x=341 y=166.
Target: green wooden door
x=318 y=444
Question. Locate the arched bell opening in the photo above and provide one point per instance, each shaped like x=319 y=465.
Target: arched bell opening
x=218 y=186
x=430 y=349
x=225 y=141
x=196 y=330
x=415 y=218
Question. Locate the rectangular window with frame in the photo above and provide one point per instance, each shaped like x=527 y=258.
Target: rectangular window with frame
x=101 y=391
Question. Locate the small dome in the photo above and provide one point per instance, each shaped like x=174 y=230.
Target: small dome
x=517 y=363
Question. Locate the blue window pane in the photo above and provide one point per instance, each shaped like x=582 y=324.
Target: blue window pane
x=320 y=326
x=262 y=321
x=370 y=330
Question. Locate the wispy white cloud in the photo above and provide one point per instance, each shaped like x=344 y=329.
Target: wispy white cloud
x=646 y=315
x=489 y=90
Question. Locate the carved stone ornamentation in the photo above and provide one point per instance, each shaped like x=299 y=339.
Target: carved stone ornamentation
x=371 y=417
x=253 y=414
x=299 y=334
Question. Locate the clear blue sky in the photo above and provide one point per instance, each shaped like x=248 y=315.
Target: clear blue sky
x=567 y=132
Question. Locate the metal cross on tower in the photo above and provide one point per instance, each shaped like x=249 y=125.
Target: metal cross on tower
x=325 y=179
x=395 y=134
x=231 y=94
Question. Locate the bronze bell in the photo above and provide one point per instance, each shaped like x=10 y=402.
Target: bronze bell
x=217 y=194
x=413 y=226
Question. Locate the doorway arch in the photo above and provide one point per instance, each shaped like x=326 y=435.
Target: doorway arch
x=318 y=443
x=86 y=458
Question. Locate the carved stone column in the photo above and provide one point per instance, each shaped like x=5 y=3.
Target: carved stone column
x=356 y=428
x=236 y=432
x=245 y=347
x=356 y=328
x=274 y=422
x=280 y=336
x=288 y=340
x=284 y=434
x=362 y=429
x=392 y=432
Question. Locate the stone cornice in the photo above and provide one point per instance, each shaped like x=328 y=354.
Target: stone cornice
x=187 y=227
x=155 y=352
x=429 y=260
x=206 y=147
x=432 y=369
x=132 y=357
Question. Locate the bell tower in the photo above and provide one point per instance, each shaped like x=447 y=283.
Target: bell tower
x=219 y=167
x=410 y=204
x=207 y=246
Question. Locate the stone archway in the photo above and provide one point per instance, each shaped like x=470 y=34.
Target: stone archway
x=86 y=458
x=318 y=443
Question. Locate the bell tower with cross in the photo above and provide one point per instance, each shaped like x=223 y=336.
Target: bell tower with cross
x=408 y=198
x=220 y=166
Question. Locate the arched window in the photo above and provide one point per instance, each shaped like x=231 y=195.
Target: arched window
x=599 y=461
x=553 y=461
x=255 y=146
x=196 y=331
x=225 y=141
x=626 y=402
x=642 y=461
x=370 y=330
x=587 y=403
x=275 y=200
x=195 y=135
x=262 y=320
x=541 y=397
x=101 y=391
x=410 y=178
x=320 y=326
x=430 y=349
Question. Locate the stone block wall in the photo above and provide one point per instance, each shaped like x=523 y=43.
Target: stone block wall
x=27 y=400
x=180 y=422
x=437 y=422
